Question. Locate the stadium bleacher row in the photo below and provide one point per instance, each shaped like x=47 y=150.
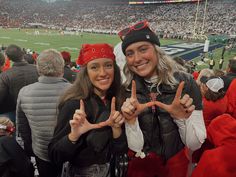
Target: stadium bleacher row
x=167 y=19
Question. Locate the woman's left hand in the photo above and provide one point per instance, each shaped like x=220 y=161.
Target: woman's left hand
x=116 y=119
x=180 y=108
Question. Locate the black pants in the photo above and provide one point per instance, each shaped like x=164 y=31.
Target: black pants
x=45 y=168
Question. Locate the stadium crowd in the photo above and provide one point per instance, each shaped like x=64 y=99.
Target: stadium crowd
x=172 y=20
x=162 y=119
x=177 y=133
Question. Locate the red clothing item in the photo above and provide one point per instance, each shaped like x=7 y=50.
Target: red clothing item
x=153 y=166
x=220 y=161
x=231 y=94
x=213 y=109
x=7 y=65
x=35 y=55
x=195 y=75
x=90 y=52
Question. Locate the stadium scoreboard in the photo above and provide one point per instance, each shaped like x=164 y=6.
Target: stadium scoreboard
x=159 y=2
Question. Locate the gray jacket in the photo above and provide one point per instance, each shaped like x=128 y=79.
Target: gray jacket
x=37 y=113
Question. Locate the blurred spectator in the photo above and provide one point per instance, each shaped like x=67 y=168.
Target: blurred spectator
x=231 y=95
x=87 y=16
x=12 y=80
x=179 y=60
x=195 y=75
x=13 y=160
x=206 y=73
x=214 y=100
x=7 y=64
x=34 y=55
x=2 y=61
x=37 y=109
x=221 y=62
x=218 y=73
x=29 y=58
x=219 y=161
x=212 y=63
x=215 y=103
x=180 y=64
x=230 y=73
x=68 y=73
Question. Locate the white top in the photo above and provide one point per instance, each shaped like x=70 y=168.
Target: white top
x=192 y=130
x=135 y=138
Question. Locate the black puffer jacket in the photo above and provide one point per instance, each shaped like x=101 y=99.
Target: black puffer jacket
x=12 y=80
x=13 y=160
x=160 y=132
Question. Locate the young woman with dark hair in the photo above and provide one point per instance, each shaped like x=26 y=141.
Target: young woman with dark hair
x=89 y=128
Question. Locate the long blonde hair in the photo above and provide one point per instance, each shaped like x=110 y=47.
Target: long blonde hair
x=165 y=70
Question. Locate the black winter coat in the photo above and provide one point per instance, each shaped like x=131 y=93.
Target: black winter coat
x=93 y=147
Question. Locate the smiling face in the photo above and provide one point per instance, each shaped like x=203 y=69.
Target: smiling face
x=101 y=75
x=142 y=59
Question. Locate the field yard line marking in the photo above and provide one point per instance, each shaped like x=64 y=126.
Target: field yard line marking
x=41 y=43
x=4 y=37
x=21 y=40
x=69 y=48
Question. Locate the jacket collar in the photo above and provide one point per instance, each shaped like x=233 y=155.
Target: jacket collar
x=142 y=88
x=48 y=79
x=20 y=63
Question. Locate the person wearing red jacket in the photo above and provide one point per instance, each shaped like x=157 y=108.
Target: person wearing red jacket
x=219 y=161
x=231 y=95
x=214 y=99
x=7 y=65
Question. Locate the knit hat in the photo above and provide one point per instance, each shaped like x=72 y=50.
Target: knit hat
x=66 y=56
x=91 y=52
x=144 y=34
x=215 y=84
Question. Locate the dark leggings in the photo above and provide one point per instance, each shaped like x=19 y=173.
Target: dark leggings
x=45 y=168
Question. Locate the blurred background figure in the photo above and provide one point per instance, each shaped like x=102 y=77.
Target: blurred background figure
x=219 y=161
x=29 y=58
x=68 y=73
x=230 y=73
x=214 y=100
x=11 y=81
x=13 y=160
x=205 y=73
x=37 y=109
x=2 y=62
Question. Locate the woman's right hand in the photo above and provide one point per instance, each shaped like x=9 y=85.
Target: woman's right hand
x=79 y=124
x=131 y=108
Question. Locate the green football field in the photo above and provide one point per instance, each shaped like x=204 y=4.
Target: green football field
x=26 y=38
x=45 y=39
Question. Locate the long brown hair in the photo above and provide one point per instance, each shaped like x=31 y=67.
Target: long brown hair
x=214 y=96
x=82 y=88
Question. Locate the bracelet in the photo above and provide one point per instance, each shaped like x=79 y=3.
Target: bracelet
x=73 y=142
